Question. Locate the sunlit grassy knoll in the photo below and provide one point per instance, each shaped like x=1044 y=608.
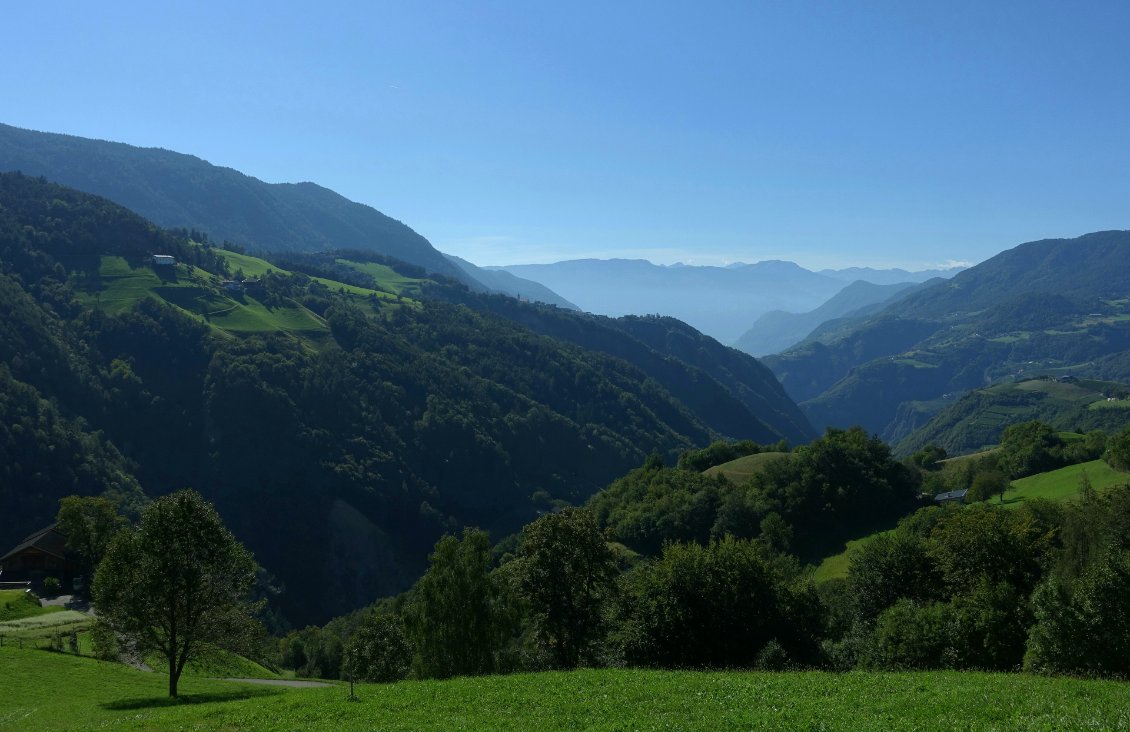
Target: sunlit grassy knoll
x=17 y=604
x=46 y=691
x=251 y=266
x=744 y=468
x=222 y=664
x=836 y=566
x=1063 y=484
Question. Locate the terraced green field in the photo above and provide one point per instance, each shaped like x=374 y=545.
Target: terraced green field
x=50 y=691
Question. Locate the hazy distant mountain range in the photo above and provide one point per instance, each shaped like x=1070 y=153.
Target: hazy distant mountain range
x=723 y=302
x=776 y=330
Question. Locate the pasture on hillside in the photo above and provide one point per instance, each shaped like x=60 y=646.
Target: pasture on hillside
x=744 y=468
x=1056 y=485
x=53 y=691
x=1063 y=484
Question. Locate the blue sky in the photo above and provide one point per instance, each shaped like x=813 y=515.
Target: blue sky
x=832 y=134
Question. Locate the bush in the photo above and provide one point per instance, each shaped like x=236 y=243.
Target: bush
x=909 y=636
x=1084 y=628
x=103 y=642
x=52 y=586
x=379 y=651
x=986 y=485
x=1118 y=450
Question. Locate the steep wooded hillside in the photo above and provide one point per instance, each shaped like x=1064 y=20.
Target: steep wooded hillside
x=977 y=419
x=340 y=427
x=183 y=191
x=1053 y=306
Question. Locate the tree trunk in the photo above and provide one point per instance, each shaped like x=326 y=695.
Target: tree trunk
x=174 y=674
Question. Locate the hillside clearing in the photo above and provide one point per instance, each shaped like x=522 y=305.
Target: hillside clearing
x=1063 y=484
x=744 y=468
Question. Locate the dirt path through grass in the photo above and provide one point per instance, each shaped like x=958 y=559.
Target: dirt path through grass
x=290 y=683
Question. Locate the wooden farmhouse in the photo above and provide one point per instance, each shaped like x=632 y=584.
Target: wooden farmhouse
x=41 y=555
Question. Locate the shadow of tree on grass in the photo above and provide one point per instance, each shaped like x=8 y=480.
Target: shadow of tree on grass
x=207 y=698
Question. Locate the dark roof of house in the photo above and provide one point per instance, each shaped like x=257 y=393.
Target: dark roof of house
x=48 y=540
x=951 y=495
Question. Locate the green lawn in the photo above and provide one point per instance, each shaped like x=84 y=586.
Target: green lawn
x=742 y=469
x=46 y=691
x=1063 y=484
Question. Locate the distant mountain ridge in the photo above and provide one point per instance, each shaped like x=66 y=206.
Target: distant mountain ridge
x=776 y=330
x=175 y=190
x=1057 y=306
x=722 y=302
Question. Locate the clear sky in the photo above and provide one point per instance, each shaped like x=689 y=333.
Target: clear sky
x=829 y=133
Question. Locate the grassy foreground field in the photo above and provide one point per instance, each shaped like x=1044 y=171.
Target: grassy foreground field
x=44 y=691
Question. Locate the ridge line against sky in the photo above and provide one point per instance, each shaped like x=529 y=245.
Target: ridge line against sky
x=832 y=135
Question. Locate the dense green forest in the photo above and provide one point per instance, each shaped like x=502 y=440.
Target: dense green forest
x=382 y=414
x=670 y=568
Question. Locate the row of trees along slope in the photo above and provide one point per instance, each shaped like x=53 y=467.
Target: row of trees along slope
x=338 y=460
x=1051 y=305
x=649 y=575
x=175 y=190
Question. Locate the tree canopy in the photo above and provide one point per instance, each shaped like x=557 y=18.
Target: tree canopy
x=177 y=584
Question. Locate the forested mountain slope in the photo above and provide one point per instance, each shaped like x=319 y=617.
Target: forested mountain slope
x=1052 y=306
x=181 y=191
x=977 y=419
x=339 y=427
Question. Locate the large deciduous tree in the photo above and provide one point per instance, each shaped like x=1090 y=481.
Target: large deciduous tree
x=453 y=616
x=567 y=574
x=177 y=584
